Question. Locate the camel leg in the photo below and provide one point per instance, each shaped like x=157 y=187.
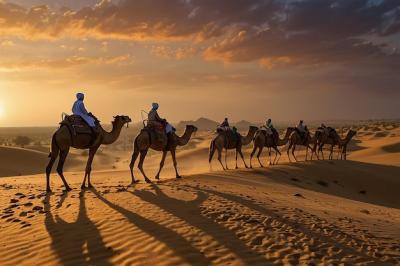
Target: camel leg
x=143 y=154
x=321 y=149
x=269 y=153
x=219 y=159
x=241 y=155
x=161 y=164
x=175 y=163
x=293 y=149
x=252 y=154
x=236 y=154
x=276 y=155
x=313 y=151
x=258 y=156
x=308 y=147
x=306 y=153
x=88 y=170
x=331 y=153
x=132 y=164
x=226 y=159
x=60 y=166
x=288 y=151
x=53 y=157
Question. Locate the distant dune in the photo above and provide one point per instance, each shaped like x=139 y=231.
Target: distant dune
x=18 y=161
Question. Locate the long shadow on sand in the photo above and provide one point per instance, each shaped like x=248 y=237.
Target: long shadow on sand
x=365 y=182
x=172 y=239
x=190 y=212
x=331 y=241
x=68 y=239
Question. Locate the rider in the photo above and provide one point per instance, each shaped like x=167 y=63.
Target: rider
x=268 y=127
x=236 y=134
x=225 y=125
x=156 y=121
x=302 y=129
x=79 y=109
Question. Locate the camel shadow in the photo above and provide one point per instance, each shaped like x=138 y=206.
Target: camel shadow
x=190 y=212
x=365 y=182
x=331 y=241
x=68 y=240
x=183 y=248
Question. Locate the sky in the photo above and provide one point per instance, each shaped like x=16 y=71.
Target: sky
x=244 y=59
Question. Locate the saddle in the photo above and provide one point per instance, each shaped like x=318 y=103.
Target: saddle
x=275 y=135
x=303 y=135
x=156 y=133
x=77 y=125
x=232 y=139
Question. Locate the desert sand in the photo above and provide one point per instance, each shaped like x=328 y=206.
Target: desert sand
x=322 y=212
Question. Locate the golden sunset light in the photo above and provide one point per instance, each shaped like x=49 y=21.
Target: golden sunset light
x=199 y=132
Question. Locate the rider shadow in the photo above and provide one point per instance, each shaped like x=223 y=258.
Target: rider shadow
x=190 y=212
x=163 y=234
x=68 y=240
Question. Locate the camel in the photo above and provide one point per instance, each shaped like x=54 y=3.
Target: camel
x=296 y=139
x=262 y=140
x=343 y=144
x=63 y=140
x=220 y=142
x=145 y=141
x=323 y=139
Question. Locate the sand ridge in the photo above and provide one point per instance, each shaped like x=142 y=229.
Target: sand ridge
x=318 y=212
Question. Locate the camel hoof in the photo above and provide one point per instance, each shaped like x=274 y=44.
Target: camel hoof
x=134 y=182
x=147 y=180
x=157 y=177
x=48 y=190
x=67 y=189
x=90 y=186
x=83 y=187
x=178 y=176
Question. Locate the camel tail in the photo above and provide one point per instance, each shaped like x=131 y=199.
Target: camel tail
x=212 y=151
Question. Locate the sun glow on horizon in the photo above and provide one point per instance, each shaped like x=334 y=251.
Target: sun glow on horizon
x=2 y=110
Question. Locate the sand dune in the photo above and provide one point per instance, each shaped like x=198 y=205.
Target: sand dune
x=318 y=212
x=285 y=214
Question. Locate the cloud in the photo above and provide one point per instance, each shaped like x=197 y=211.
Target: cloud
x=274 y=33
x=63 y=63
x=167 y=52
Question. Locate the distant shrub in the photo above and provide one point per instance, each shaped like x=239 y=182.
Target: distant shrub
x=22 y=141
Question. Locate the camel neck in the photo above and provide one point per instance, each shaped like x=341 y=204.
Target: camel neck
x=184 y=139
x=112 y=136
x=285 y=138
x=249 y=137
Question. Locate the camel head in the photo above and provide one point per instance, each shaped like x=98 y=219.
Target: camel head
x=253 y=129
x=191 y=128
x=290 y=130
x=121 y=120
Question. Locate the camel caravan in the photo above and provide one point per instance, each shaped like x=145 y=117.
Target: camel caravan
x=82 y=130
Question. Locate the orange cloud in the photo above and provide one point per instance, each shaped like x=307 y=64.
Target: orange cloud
x=65 y=62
